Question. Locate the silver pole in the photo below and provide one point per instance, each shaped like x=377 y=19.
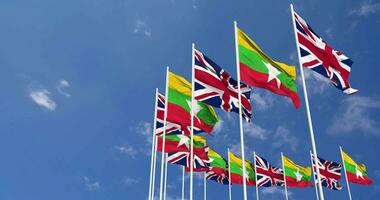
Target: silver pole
x=192 y=121
x=153 y=154
x=257 y=186
x=314 y=148
x=229 y=176
x=283 y=167
x=164 y=133
x=240 y=112
x=315 y=184
x=345 y=174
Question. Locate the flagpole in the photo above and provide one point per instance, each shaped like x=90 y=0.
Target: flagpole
x=166 y=175
x=229 y=176
x=192 y=121
x=183 y=183
x=257 y=186
x=164 y=133
x=283 y=167
x=345 y=173
x=154 y=167
x=240 y=112
x=204 y=186
x=314 y=148
x=152 y=160
x=314 y=183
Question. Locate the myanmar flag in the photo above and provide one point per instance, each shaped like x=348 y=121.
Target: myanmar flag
x=179 y=107
x=296 y=176
x=259 y=70
x=356 y=173
x=218 y=168
x=180 y=142
x=236 y=169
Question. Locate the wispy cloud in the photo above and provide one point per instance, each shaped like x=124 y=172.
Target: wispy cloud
x=218 y=127
x=91 y=186
x=63 y=84
x=255 y=131
x=262 y=100
x=41 y=97
x=283 y=137
x=316 y=83
x=274 y=191
x=355 y=114
x=366 y=8
x=145 y=129
x=130 y=181
x=127 y=149
x=141 y=27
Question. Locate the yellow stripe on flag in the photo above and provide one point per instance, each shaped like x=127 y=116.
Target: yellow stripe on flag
x=347 y=159
x=237 y=161
x=212 y=153
x=248 y=43
x=199 y=139
x=290 y=164
x=179 y=84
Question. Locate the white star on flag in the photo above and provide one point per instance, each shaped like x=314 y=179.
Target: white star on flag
x=197 y=107
x=184 y=140
x=298 y=175
x=358 y=173
x=272 y=74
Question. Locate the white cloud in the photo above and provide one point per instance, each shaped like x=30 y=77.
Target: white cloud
x=355 y=114
x=283 y=137
x=262 y=100
x=127 y=149
x=218 y=128
x=41 y=97
x=315 y=82
x=255 y=131
x=91 y=186
x=145 y=129
x=130 y=181
x=366 y=8
x=61 y=86
x=141 y=27
x=328 y=33
x=274 y=191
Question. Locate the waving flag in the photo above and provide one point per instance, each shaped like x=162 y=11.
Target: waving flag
x=296 y=175
x=267 y=175
x=201 y=160
x=214 y=86
x=317 y=55
x=180 y=142
x=259 y=70
x=179 y=107
x=218 y=168
x=329 y=172
x=356 y=173
x=236 y=170
x=171 y=128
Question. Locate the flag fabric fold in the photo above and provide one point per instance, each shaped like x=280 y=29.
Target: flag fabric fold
x=296 y=175
x=236 y=170
x=318 y=56
x=214 y=86
x=356 y=173
x=259 y=70
x=267 y=175
x=179 y=107
x=217 y=168
x=330 y=173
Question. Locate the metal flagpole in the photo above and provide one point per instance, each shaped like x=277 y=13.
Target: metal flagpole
x=257 y=186
x=314 y=148
x=192 y=121
x=204 y=186
x=315 y=183
x=240 y=113
x=152 y=160
x=164 y=133
x=283 y=168
x=345 y=174
x=229 y=176
x=154 y=168
x=166 y=175
x=183 y=183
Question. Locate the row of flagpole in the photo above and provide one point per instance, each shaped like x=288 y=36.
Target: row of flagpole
x=163 y=177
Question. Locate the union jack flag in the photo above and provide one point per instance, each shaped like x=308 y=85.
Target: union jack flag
x=214 y=86
x=317 y=55
x=329 y=172
x=201 y=160
x=171 y=128
x=267 y=175
x=218 y=175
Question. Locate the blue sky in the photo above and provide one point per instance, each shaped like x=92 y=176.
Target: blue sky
x=78 y=80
